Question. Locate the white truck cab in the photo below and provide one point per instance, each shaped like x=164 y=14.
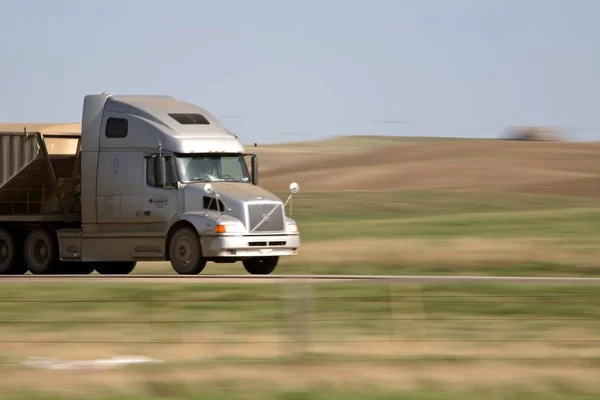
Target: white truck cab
x=153 y=178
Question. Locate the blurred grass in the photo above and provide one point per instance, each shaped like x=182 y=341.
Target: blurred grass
x=347 y=206
x=477 y=312
x=445 y=232
x=395 y=337
x=404 y=214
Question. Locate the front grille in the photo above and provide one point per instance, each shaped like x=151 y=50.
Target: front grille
x=274 y=223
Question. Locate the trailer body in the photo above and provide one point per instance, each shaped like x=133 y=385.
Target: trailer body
x=142 y=178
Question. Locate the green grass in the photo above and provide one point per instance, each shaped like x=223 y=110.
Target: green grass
x=414 y=214
x=394 y=329
x=349 y=206
x=261 y=308
x=569 y=224
x=547 y=235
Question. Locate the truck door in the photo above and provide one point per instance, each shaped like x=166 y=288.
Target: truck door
x=159 y=204
x=119 y=189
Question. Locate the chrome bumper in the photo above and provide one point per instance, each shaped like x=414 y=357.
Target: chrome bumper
x=250 y=246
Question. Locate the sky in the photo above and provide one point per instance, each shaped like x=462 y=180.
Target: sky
x=277 y=71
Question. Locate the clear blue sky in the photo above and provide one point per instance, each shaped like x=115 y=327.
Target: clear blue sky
x=297 y=70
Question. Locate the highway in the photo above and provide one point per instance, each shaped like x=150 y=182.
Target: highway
x=211 y=279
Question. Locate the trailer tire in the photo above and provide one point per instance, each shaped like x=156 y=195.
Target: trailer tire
x=11 y=256
x=261 y=265
x=40 y=252
x=114 y=267
x=185 y=252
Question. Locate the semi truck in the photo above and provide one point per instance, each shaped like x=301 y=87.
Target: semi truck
x=141 y=178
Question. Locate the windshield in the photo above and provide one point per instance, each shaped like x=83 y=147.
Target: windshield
x=212 y=168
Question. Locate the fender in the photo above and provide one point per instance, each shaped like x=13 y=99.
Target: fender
x=205 y=223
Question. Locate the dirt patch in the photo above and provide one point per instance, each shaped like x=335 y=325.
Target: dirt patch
x=417 y=341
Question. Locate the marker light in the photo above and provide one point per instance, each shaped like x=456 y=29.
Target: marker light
x=220 y=229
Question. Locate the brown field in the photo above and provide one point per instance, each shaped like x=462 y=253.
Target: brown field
x=559 y=168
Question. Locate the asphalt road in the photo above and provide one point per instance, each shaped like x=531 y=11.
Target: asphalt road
x=211 y=279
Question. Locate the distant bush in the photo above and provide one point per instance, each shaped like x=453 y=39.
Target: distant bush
x=534 y=133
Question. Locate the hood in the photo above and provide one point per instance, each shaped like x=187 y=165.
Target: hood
x=234 y=191
x=235 y=195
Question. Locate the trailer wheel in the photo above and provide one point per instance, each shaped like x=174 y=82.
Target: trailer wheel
x=185 y=252
x=114 y=268
x=11 y=258
x=261 y=265
x=41 y=252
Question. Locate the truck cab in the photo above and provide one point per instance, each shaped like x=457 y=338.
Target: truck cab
x=158 y=179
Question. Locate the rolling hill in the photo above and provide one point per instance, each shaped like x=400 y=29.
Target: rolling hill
x=378 y=163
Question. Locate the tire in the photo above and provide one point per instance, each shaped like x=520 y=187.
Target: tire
x=76 y=268
x=185 y=252
x=40 y=252
x=261 y=265
x=114 y=268
x=11 y=256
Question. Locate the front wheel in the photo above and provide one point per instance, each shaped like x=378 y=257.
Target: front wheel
x=185 y=252
x=261 y=265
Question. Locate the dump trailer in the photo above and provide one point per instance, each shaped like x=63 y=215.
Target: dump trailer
x=141 y=178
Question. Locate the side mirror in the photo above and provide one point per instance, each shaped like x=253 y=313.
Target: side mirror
x=160 y=171
x=254 y=170
x=254 y=167
x=294 y=188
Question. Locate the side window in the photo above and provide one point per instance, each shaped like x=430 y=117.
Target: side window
x=150 y=171
x=116 y=128
x=150 y=177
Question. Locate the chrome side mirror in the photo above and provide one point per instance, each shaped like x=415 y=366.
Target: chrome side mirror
x=294 y=188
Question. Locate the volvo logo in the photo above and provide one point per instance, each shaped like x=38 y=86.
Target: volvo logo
x=266 y=217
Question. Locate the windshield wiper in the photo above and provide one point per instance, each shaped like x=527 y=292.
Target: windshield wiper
x=232 y=180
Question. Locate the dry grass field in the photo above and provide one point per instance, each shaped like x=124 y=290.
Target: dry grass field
x=242 y=341
x=386 y=163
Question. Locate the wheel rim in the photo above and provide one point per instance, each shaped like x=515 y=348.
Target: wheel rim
x=184 y=251
x=39 y=252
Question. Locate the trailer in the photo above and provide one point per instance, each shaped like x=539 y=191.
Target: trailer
x=141 y=178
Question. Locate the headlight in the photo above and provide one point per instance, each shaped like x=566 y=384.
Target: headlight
x=228 y=228
x=292 y=227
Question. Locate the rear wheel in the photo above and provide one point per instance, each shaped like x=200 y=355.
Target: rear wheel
x=114 y=268
x=261 y=265
x=11 y=256
x=185 y=252
x=40 y=252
